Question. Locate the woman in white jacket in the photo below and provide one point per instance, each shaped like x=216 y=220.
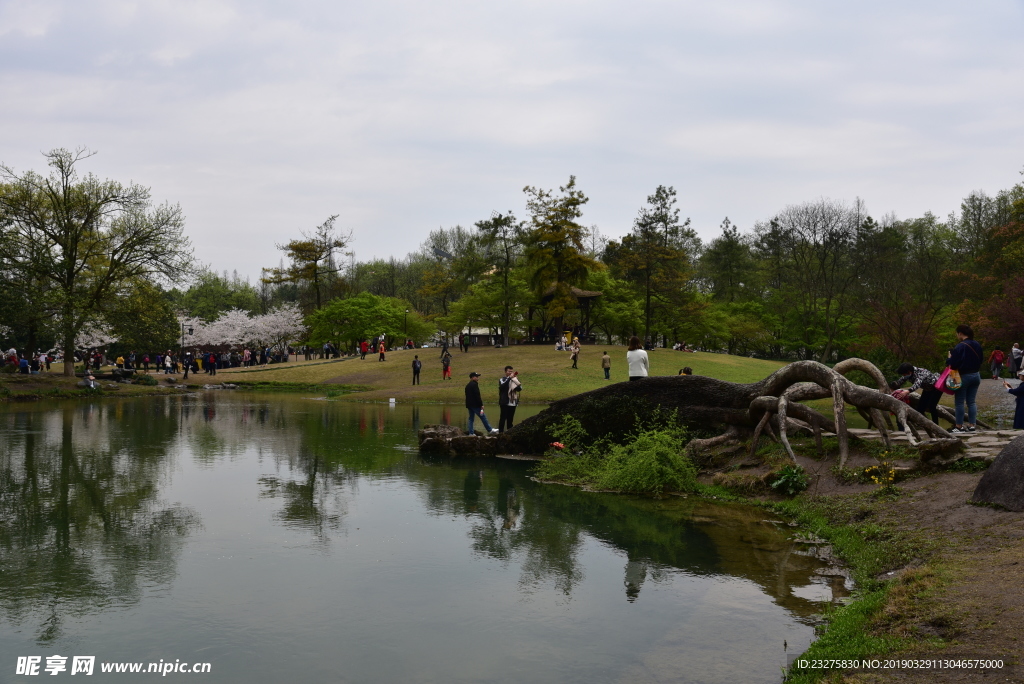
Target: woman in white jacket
x=636 y=357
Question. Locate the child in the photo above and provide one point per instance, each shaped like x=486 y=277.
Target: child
x=1018 y=391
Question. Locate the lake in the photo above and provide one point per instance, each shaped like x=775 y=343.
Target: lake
x=283 y=538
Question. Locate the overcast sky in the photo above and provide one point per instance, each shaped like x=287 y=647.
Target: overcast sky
x=263 y=118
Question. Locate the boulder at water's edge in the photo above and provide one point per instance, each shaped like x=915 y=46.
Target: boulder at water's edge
x=1003 y=482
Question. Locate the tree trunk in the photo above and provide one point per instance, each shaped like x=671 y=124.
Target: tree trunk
x=69 y=349
x=615 y=411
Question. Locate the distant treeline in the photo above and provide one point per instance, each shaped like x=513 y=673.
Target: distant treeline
x=821 y=280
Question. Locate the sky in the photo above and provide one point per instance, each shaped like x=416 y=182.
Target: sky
x=261 y=119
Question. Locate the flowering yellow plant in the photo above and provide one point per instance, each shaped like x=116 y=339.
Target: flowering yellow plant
x=883 y=474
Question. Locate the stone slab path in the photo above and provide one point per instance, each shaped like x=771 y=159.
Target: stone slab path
x=983 y=445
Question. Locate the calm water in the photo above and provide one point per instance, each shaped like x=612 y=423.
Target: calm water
x=289 y=539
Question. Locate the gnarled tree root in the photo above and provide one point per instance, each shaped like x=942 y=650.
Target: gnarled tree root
x=616 y=411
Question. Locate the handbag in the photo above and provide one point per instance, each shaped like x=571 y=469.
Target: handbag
x=953 y=380
x=940 y=384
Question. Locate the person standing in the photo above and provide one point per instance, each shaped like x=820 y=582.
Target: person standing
x=380 y=350
x=509 y=387
x=966 y=358
x=995 y=362
x=446 y=366
x=575 y=353
x=924 y=380
x=364 y=347
x=606 y=364
x=475 y=404
x=636 y=358
x=1015 y=358
x=1018 y=392
x=416 y=366
x=186 y=363
x=444 y=346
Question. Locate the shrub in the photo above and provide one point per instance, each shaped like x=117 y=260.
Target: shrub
x=790 y=480
x=649 y=462
x=147 y=380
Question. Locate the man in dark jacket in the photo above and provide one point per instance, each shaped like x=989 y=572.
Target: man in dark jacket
x=417 y=366
x=475 y=404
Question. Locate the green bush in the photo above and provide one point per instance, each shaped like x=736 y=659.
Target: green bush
x=649 y=462
x=790 y=480
x=147 y=380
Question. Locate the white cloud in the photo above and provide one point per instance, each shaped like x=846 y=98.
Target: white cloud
x=31 y=20
x=264 y=118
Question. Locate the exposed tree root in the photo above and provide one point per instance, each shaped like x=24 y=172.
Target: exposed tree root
x=739 y=409
x=730 y=436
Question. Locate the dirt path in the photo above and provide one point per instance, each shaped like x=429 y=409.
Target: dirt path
x=979 y=609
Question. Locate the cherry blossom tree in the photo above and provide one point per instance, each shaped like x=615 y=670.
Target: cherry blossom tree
x=279 y=327
x=93 y=336
x=237 y=328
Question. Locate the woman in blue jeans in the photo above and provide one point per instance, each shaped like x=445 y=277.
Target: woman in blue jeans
x=966 y=358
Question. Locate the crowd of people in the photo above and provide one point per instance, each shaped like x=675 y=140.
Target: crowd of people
x=167 y=362
x=39 y=362
x=961 y=376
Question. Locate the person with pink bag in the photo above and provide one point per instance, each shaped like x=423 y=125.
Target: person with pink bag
x=965 y=360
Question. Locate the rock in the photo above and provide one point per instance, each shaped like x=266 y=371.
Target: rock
x=437 y=438
x=471 y=446
x=940 y=449
x=448 y=440
x=1003 y=483
x=981 y=456
x=440 y=432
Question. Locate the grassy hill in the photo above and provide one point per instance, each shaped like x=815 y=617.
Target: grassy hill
x=546 y=374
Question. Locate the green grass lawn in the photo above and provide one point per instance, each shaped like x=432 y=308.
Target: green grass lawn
x=546 y=374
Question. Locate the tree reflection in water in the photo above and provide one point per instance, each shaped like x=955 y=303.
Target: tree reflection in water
x=543 y=528
x=83 y=527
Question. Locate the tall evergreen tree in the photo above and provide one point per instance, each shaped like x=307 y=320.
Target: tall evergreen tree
x=657 y=256
x=556 y=249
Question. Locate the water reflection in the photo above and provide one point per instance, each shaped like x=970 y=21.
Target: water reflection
x=86 y=527
x=83 y=526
